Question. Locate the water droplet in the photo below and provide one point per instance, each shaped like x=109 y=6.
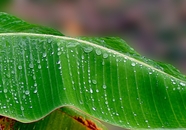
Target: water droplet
x=98 y=52
x=106 y=102
x=58 y=53
x=97 y=90
x=104 y=86
x=82 y=57
x=39 y=66
x=5 y=91
x=59 y=62
x=182 y=84
x=72 y=44
x=22 y=108
x=19 y=67
x=93 y=108
x=87 y=49
x=150 y=72
x=31 y=65
x=35 y=84
x=173 y=82
x=27 y=92
x=105 y=55
x=146 y=120
x=94 y=81
x=91 y=91
x=35 y=91
x=133 y=64
x=44 y=54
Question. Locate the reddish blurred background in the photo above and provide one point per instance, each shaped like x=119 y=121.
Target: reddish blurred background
x=155 y=28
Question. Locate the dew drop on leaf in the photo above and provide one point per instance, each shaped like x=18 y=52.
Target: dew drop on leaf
x=133 y=64
x=27 y=92
x=182 y=84
x=173 y=82
x=58 y=62
x=104 y=86
x=72 y=44
x=19 y=67
x=22 y=108
x=98 y=52
x=44 y=54
x=58 y=53
x=31 y=65
x=39 y=66
x=91 y=91
x=5 y=91
x=35 y=91
x=94 y=108
x=87 y=49
x=94 y=81
x=105 y=55
x=35 y=84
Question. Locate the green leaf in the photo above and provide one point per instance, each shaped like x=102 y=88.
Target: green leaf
x=102 y=77
x=65 y=118
x=10 y=24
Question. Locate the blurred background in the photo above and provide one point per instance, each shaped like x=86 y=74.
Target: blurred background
x=154 y=28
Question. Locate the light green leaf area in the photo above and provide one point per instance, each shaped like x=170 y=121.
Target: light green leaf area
x=102 y=77
x=65 y=118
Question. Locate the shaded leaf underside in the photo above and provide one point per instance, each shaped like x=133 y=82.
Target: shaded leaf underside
x=103 y=77
x=64 y=118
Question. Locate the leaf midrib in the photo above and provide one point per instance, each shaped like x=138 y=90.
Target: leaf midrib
x=93 y=45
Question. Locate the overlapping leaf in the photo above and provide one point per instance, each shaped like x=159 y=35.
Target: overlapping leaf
x=102 y=77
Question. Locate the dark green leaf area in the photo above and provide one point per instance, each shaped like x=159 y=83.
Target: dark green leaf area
x=11 y=24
